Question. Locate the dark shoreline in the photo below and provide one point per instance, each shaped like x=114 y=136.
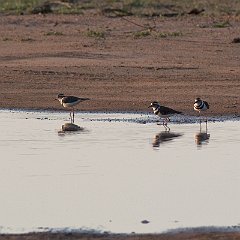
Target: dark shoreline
x=199 y=233
x=140 y=116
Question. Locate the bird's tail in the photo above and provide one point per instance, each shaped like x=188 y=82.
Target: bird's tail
x=178 y=112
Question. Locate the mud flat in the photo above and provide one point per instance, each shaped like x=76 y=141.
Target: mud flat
x=113 y=62
x=181 y=234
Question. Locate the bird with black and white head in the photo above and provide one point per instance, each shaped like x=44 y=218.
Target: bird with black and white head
x=200 y=106
x=163 y=112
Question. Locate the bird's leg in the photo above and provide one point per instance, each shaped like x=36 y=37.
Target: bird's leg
x=73 y=114
x=168 y=128
x=199 y=117
x=159 y=123
x=200 y=127
x=167 y=120
x=165 y=124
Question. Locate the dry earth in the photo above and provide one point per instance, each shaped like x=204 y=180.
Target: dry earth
x=112 y=62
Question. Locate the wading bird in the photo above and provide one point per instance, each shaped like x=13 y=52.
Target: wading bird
x=200 y=106
x=163 y=112
x=70 y=102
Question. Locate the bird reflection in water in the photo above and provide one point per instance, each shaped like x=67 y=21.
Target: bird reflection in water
x=202 y=137
x=164 y=137
x=69 y=127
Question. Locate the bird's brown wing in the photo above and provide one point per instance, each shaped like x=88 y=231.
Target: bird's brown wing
x=70 y=99
x=167 y=110
x=206 y=103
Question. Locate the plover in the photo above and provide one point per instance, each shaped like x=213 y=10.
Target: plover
x=200 y=105
x=70 y=102
x=164 y=112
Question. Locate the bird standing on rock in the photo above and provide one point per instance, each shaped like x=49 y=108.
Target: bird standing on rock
x=164 y=112
x=70 y=102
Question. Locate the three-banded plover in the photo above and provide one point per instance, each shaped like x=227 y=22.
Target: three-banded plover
x=200 y=106
x=164 y=112
x=70 y=102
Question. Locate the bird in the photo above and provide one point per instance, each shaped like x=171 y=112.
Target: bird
x=70 y=102
x=164 y=112
x=200 y=105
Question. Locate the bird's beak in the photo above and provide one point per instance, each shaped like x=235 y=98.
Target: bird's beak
x=149 y=106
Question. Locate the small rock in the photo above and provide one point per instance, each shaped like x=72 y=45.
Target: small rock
x=145 y=222
x=236 y=40
x=196 y=11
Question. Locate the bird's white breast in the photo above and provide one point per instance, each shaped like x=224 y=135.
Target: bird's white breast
x=70 y=104
x=200 y=107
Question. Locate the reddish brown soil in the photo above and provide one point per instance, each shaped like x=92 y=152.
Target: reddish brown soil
x=42 y=56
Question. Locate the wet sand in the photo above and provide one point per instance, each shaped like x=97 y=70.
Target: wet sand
x=43 y=55
x=76 y=236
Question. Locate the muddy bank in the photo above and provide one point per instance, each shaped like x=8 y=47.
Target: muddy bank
x=116 y=64
x=76 y=236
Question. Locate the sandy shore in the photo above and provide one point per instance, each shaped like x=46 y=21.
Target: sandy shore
x=42 y=56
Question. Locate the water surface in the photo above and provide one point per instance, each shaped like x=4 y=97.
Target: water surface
x=121 y=173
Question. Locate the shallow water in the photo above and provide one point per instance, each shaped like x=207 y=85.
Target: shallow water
x=121 y=173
